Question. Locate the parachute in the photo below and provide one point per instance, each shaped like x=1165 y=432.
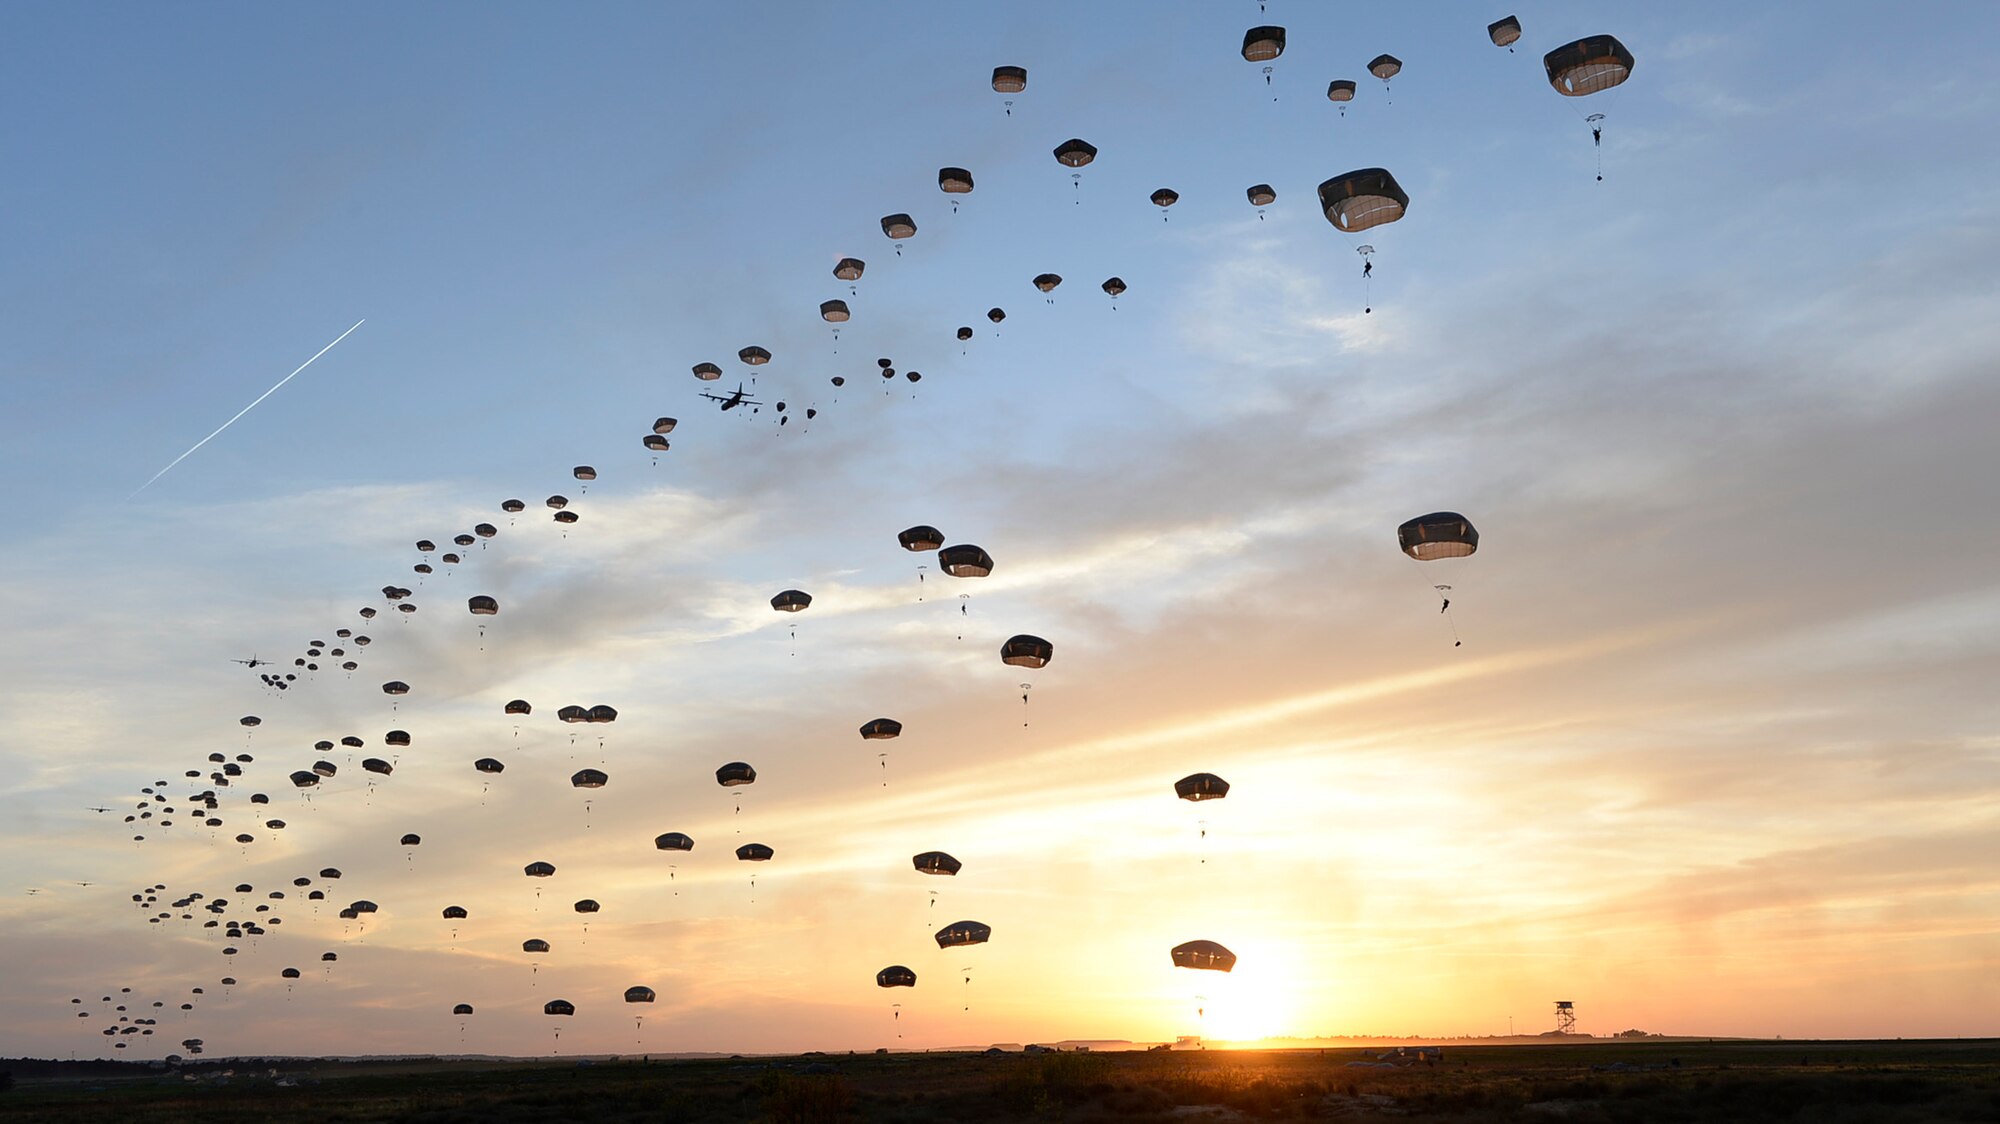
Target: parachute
x=249 y=720
x=754 y=356
x=1114 y=286
x=936 y=862
x=1441 y=534
x=1010 y=79
x=1385 y=67
x=1362 y=199
x=881 y=729
x=920 y=538
x=754 y=853
x=539 y=870
x=833 y=312
x=895 y=975
x=791 y=601
x=1075 y=153
x=395 y=687
x=516 y=506
x=1206 y=955
x=534 y=944
x=735 y=773
x=519 y=706
x=1340 y=90
x=964 y=334
x=1261 y=195
x=558 y=1007
x=377 y=765
x=673 y=841
x=655 y=442
x=639 y=995
x=454 y=913
x=965 y=561
x=664 y=425
x=588 y=778
x=996 y=314
x=899 y=226
x=1504 y=32
x=707 y=372
x=584 y=472
x=963 y=933
x=1201 y=786
x=954 y=181
x=462 y=1009
x=586 y=905
x=1026 y=651
x=1588 y=65
x=1047 y=282
x=1262 y=44
x=1163 y=198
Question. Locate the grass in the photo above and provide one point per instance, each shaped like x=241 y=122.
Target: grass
x=1597 y=1083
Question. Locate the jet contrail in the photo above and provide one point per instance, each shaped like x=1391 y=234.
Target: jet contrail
x=247 y=409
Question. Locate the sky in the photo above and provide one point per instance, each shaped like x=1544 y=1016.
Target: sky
x=1715 y=754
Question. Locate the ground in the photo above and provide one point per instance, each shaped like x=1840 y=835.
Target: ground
x=1604 y=1081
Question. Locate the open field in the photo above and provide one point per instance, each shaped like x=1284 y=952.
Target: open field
x=1693 y=1081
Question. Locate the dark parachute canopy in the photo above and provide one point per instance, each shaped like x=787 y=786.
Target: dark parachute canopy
x=965 y=561
x=1385 y=67
x=1206 y=955
x=954 y=181
x=534 y=944
x=963 y=933
x=1026 y=651
x=1075 y=153
x=639 y=995
x=899 y=226
x=462 y=1009
x=290 y=973
x=1588 y=66
x=1340 y=89
x=249 y=720
x=1441 y=534
x=754 y=853
x=996 y=314
x=833 y=312
x=396 y=737
x=655 y=442
x=881 y=729
x=588 y=778
x=513 y=506
x=1047 y=282
x=454 y=913
x=586 y=905
x=395 y=687
x=1362 y=199
x=1261 y=195
x=602 y=713
x=791 y=601
x=1113 y=285
x=1165 y=197
x=964 y=333
x=573 y=714
x=895 y=975
x=539 y=870
x=558 y=1007
x=754 y=356
x=920 y=538
x=665 y=425
x=489 y=765
x=707 y=372
x=1262 y=44
x=519 y=706
x=1201 y=786
x=305 y=779
x=1010 y=79
x=583 y=472
x=936 y=862
x=482 y=605
x=673 y=841
x=849 y=269
x=1505 y=31
x=735 y=773
x=377 y=765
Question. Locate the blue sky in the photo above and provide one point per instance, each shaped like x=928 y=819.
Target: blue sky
x=1719 y=417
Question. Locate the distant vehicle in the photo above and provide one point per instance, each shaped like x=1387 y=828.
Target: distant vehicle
x=732 y=400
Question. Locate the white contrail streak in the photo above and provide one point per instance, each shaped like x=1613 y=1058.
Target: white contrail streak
x=247 y=409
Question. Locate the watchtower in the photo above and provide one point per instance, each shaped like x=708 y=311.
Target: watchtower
x=1565 y=1017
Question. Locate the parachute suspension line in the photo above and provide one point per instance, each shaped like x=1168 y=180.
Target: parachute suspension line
x=963 y=598
x=1076 y=181
x=1444 y=600
x=1597 y=141
x=1025 y=688
x=920 y=583
x=967 y=970
x=883 y=759
x=1367 y=253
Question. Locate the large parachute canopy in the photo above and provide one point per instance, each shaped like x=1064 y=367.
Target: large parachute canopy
x=1075 y=153
x=849 y=269
x=1261 y=195
x=489 y=765
x=519 y=706
x=1385 y=67
x=735 y=773
x=707 y=372
x=673 y=841
x=1588 y=66
x=754 y=853
x=454 y=912
x=920 y=538
x=462 y=1009
x=539 y=870
x=1206 y=955
x=558 y=1007
x=895 y=975
x=954 y=181
x=881 y=729
x=833 y=312
x=482 y=605
x=791 y=601
x=1026 y=651
x=899 y=226
x=754 y=356
x=1262 y=44
x=1504 y=31
x=1201 y=786
x=965 y=561
x=1441 y=534
x=935 y=862
x=1010 y=79
x=588 y=778
x=639 y=995
x=1362 y=199
x=1340 y=89
x=963 y=933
